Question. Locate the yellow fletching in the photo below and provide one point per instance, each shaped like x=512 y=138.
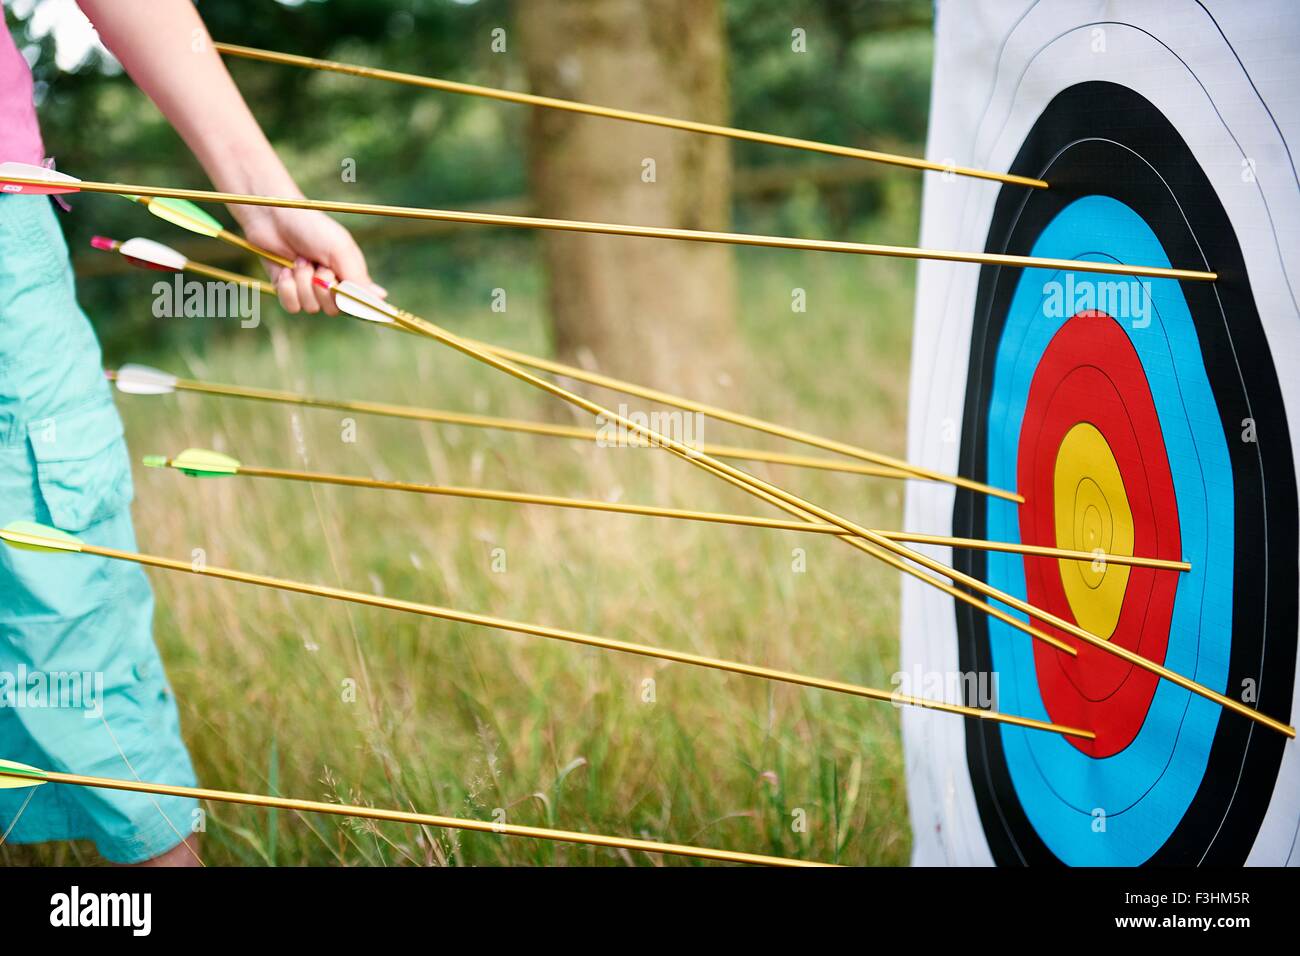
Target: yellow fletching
x=202 y=463
x=185 y=214
x=30 y=536
x=31 y=777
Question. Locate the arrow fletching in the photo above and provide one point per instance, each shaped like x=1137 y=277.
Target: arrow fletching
x=359 y=302
x=25 y=776
x=143 y=380
x=153 y=255
x=52 y=183
x=30 y=536
x=199 y=463
x=181 y=212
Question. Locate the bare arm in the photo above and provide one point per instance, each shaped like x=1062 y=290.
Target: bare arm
x=166 y=50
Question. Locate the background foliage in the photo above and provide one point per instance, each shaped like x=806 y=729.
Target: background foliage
x=864 y=81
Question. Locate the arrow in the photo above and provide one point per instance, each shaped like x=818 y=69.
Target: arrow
x=26 y=534
x=15 y=775
x=201 y=463
x=572 y=106
x=148 y=254
x=20 y=178
x=142 y=380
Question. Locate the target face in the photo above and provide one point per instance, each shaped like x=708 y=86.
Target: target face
x=1136 y=417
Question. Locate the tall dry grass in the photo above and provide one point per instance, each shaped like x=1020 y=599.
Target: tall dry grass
x=466 y=721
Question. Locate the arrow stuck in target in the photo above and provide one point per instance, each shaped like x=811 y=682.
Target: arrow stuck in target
x=36 y=537
x=203 y=463
x=24 y=178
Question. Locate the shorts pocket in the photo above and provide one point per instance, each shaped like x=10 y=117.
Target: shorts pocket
x=82 y=467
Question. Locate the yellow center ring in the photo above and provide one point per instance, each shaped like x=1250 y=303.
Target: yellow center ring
x=1092 y=514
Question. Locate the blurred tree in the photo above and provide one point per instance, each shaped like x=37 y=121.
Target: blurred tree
x=657 y=312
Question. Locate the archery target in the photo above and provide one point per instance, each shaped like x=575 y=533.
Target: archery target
x=1144 y=416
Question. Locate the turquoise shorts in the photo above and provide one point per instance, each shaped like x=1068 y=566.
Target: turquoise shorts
x=82 y=688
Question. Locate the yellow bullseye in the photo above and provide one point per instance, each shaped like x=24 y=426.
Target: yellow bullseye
x=1092 y=514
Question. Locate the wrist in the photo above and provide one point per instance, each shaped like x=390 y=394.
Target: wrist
x=250 y=169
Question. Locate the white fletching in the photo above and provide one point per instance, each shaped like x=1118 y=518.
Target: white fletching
x=143 y=380
x=31 y=171
x=147 y=250
x=362 y=303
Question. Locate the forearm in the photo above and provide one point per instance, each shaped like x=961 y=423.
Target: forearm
x=166 y=50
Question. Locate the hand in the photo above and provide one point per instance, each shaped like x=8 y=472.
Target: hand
x=321 y=248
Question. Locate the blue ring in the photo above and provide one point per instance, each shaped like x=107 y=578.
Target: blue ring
x=1144 y=790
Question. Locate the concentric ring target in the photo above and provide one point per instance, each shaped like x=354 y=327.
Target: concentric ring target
x=1146 y=421
x=1147 y=417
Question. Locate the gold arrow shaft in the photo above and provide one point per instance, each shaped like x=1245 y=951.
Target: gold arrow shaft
x=409 y=817
x=573 y=637
x=714 y=517
x=439 y=416
x=632 y=231
x=222 y=275
x=606 y=112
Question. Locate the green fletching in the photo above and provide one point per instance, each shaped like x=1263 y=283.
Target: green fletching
x=181 y=212
x=154 y=461
x=30 y=536
x=201 y=463
x=31 y=776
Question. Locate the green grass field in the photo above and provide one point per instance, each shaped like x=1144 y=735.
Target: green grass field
x=463 y=721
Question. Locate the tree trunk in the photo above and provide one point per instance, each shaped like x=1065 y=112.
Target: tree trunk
x=658 y=312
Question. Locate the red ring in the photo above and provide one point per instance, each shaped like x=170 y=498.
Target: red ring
x=1090 y=372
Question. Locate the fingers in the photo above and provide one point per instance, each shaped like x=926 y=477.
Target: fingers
x=287 y=289
x=325 y=279
x=303 y=273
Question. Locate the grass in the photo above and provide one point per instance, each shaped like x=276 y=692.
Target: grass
x=464 y=721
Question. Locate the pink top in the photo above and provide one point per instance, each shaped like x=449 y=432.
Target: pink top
x=20 y=135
